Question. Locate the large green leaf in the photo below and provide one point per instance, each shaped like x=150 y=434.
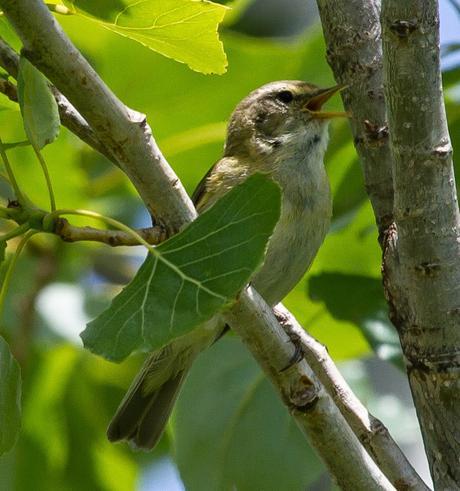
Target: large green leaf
x=38 y=106
x=231 y=427
x=185 y=30
x=192 y=275
x=359 y=299
x=10 y=398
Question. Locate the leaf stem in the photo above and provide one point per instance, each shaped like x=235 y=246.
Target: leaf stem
x=47 y=176
x=9 y=272
x=15 y=232
x=9 y=171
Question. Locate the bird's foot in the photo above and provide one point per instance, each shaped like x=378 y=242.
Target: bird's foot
x=283 y=319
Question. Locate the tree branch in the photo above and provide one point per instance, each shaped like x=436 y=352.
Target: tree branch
x=352 y=32
x=69 y=116
x=70 y=233
x=310 y=405
x=128 y=138
x=422 y=267
x=124 y=132
x=371 y=432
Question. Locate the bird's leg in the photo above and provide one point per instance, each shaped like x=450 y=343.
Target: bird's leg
x=283 y=319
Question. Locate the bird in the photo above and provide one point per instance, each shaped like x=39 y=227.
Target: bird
x=280 y=130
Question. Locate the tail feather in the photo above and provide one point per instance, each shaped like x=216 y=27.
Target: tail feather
x=146 y=407
x=142 y=418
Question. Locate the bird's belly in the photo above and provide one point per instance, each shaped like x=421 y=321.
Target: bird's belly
x=292 y=247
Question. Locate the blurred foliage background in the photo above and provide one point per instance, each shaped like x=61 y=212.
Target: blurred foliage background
x=229 y=428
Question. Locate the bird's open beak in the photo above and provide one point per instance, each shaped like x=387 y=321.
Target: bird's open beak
x=315 y=103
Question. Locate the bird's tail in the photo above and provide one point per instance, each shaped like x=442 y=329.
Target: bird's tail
x=146 y=407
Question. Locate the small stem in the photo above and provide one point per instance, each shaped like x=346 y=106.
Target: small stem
x=92 y=214
x=70 y=233
x=15 y=232
x=47 y=177
x=11 y=266
x=9 y=171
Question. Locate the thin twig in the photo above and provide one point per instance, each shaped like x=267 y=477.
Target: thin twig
x=70 y=117
x=71 y=233
x=46 y=173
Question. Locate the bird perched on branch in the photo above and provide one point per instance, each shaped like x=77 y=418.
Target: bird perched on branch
x=280 y=130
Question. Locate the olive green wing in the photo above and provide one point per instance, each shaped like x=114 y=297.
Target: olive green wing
x=199 y=195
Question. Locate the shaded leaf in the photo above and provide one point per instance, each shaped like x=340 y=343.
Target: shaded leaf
x=192 y=275
x=2 y=250
x=231 y=427
x=185 y=30
x=359 y=299
x=10 y=398
x=38 y=106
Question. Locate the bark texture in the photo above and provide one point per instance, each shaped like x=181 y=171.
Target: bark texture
x=354 y=51
x=422 y=257
x=123 y=132
x=126 y=135
x=305 y=396
x=414 y=198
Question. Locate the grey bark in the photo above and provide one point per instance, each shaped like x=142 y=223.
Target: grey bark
x=421 y=247
x=69 y=116
x=354 y=51
x=309 y=403
x=124 y=132
x=370 y=431
x=129 y=140
x=422 y=258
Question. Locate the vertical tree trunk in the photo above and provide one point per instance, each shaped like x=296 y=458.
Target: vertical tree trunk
x=422 y=259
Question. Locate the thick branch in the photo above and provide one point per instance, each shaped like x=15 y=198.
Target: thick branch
x=125 y=133
x=371 y=432
x=352 y=32
x=69 y=116
x=311 y=406
x=422 y=267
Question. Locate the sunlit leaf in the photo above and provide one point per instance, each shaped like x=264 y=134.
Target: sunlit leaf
x=185 y=30
x=192 y=275
x=10 y=398
x=231 y=427
x=38 y=106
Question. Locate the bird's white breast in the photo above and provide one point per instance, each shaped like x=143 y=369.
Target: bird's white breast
x=306 y=210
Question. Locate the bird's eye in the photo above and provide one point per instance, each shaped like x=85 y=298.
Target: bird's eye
x=285 y=96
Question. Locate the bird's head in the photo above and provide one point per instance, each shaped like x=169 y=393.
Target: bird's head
x=279 y=118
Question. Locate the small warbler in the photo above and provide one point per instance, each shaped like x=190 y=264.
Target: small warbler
x=280 y=130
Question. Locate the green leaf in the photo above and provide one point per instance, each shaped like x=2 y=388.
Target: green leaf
x=231 y=427
x=38 y=106
x=2 y=250
x=192 y=275
x=10 y=398
x=185 y=30
x=9 y=146
x=359 y=299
